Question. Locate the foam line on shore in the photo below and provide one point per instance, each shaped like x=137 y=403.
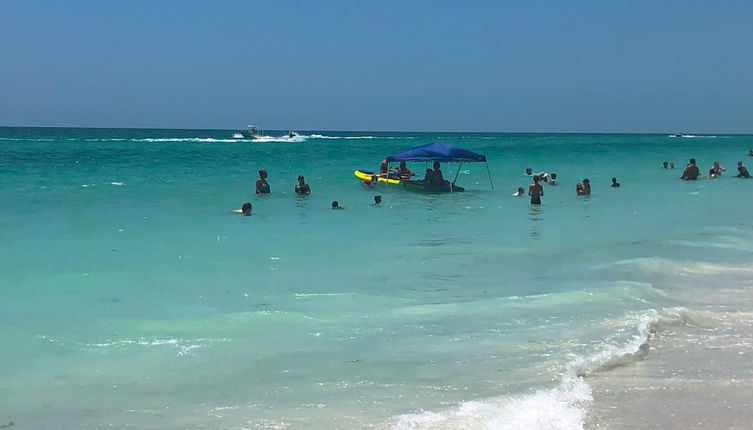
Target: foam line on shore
x=566 y=406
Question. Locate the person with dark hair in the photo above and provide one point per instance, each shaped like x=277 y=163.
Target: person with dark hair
x=615 y=184
x=529 y=171
x=245 y=209
x=404 y=172
x=579 y=189
x=586 y=187
x=377 y=200
x=336 y=205
x=718 y=168
x=742 y=171
x=301 y=187
x=521 y=192
x=691 y=171
x=535 y=190
x=713 y=174
x=262 y=186
x=553 y=179
x=665 y=164
x=437 y=178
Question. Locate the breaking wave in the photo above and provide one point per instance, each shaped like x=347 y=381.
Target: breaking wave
x=566 y=406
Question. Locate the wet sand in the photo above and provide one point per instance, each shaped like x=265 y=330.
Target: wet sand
x=693 y=377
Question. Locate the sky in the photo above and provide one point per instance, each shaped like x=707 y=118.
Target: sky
x=402 y=65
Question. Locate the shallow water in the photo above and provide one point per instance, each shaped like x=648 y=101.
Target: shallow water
x=131 y=294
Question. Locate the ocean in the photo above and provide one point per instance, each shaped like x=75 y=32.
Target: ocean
x=132 y=296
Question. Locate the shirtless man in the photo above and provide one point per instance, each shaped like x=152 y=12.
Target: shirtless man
x=535 y=190
x=691 y=171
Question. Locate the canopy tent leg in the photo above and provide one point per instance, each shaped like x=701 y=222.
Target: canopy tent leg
x=452 y=185
x=490 y=175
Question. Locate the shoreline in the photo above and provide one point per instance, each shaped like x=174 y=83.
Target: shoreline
x=695 y=376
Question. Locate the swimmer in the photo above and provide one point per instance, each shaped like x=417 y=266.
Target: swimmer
x=615 y=184
x=377 y=200
x=521 y=192
x=245 y=209
x=553 y=179
x=750 y=153
x=586 y=187
x=712 y=174
x=742 y=171
x=301 y=187
x=671 y=165
x=665 y=164
x=336 y=205
x=543 y=176
x=691 y=171
x=262 y=186
x=718 y=168
x=529 y=171
x=579 y=189
x=535 y=190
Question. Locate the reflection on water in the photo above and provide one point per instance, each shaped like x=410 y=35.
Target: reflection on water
x=535 y=215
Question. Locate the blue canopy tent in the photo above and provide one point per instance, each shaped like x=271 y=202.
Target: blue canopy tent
x=442 y=152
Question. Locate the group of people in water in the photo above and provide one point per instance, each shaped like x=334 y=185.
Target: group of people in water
x=535 y=190
x=301 y=187
x=692 y=172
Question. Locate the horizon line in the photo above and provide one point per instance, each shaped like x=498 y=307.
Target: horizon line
x=383 y=131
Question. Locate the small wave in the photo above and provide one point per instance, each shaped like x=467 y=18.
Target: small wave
x=308 y=295
x=566 y=406
x=561 y=408
x=657 y=266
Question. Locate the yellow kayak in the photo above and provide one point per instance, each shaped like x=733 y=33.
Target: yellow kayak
x=369 y=176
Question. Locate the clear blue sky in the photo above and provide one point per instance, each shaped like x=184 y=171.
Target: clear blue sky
x=570 y=66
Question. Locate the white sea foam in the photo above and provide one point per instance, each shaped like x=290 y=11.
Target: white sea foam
x=186 y=139
x=564 y=407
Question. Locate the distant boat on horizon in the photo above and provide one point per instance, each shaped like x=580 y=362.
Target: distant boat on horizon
x=251 y=133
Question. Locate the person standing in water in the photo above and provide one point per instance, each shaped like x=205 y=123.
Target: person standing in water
x=536 y=191
x=586 y=187
x=742 y=171
x=615 y=184
x=301 y=187
x=691 y=171
x=262 y=186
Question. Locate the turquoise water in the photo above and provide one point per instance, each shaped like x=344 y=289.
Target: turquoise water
x=132 y=296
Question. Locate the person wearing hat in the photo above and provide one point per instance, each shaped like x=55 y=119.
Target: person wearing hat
x=742 y=171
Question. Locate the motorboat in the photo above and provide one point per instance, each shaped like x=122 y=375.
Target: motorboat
x=251 y=133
